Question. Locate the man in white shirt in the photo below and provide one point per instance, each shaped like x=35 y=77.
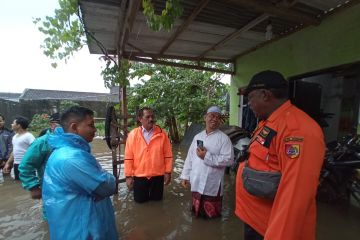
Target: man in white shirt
x=21 y=141
x=211 y=151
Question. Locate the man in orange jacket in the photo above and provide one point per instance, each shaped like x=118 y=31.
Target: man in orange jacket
x=148 y=159
x=289 y=145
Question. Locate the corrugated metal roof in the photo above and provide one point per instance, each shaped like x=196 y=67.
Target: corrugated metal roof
x=39 y=94
x=220 y=30
x=10 y=96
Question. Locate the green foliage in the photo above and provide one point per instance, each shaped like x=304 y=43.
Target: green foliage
x=65 y=104
x=166 y=20
x=64 y=32
x=100 y=128
x=113 y=76
x=39 y=122
x=176 y=92
x=65 y=35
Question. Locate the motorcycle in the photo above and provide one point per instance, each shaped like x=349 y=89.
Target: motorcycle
x=240 y=139
x=340 y=176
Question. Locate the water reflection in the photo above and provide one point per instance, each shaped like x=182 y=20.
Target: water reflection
x=20 y=217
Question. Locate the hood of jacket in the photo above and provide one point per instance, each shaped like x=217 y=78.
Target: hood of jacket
x=62 y=139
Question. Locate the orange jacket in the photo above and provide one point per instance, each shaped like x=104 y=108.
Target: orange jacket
x=148 y=160
x=291 y=142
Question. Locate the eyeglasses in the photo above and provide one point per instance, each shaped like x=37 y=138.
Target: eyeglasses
x=214 y=116
x=149 y=116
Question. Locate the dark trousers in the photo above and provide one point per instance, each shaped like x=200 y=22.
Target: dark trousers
x=251 y=234
x=148 y=189
x=16 y=171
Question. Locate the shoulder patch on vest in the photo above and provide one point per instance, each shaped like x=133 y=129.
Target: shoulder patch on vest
x=265 y=136
x=292 y=150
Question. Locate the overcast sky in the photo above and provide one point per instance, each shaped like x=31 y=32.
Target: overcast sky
x=22 y=63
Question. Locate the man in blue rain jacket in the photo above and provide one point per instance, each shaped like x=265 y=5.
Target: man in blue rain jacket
x=76 y=190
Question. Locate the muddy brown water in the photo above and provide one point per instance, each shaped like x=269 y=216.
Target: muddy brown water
x=20 y=216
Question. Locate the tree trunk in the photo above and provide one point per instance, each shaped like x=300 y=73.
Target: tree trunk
x=171 y=132
x=176 y=138
x=186 y=126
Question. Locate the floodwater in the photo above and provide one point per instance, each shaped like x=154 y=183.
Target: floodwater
x=20 y=216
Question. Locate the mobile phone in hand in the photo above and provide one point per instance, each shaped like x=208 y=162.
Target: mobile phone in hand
x=200 y=144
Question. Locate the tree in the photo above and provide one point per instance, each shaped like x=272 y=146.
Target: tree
x=65 y=35
x=179 y=96
x=64 y=32
x=66 y=104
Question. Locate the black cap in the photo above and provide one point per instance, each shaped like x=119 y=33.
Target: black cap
x=55 y=117
x=266 y=80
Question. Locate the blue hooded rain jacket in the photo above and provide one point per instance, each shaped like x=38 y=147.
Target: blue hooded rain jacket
x=76 y=192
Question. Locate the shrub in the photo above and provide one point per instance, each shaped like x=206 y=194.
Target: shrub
x=100 y=126
x=39 y=122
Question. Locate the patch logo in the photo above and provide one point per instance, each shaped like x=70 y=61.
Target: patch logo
x=294 y=139
x=260 y=139
x=292 y=150
x=264 y=132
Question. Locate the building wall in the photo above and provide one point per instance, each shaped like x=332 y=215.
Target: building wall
x=9 y=110
x=334 y=42
x=29 y=108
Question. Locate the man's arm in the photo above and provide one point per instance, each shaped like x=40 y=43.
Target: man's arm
x=224 y=159
x=32 y=165
x=9 y=145
x=129 y=162
x=185 y=174
x=168 y=160
x=9 y=164
x=295 y=198
x=85 y=172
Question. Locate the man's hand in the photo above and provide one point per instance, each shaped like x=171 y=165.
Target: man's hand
x=185 y=183
x=2 y=164
x=130 y=182
x=201 y=152
x=7 y=168
x=9 y=164
x=35 y=193
x=167 y=178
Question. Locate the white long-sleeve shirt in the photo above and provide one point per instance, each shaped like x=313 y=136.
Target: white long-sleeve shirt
x=206 y=176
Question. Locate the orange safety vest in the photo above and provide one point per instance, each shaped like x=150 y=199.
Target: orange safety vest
x=148 y=160
x=292 y=143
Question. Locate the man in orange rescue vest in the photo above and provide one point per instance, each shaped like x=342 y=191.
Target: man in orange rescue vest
x=289 y=144
x=148 y=159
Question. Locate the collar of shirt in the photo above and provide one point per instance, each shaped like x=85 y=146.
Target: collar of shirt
x=147 y=134
x=278 y=112
x=207 y=134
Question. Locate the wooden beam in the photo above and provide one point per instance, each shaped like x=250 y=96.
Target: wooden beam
x=194 y=59
x=125 y=29
x=184 y=25
x=137 y=49
x=267 y=7
x=173 y=64
x=260 y=45
x=142 y=53
x=286 y=3
x=104 y=2
x=236 y=33
x=120 y=29
x=134 y=8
